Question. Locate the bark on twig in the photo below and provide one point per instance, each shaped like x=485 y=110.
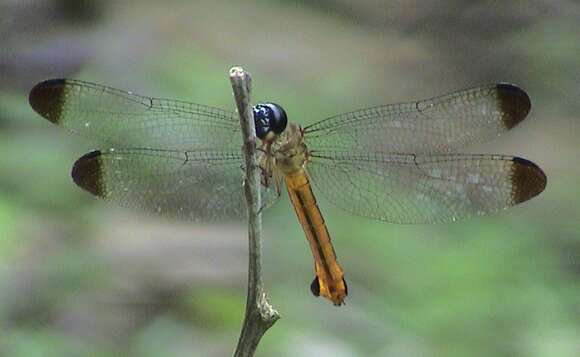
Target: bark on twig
x=260 y=315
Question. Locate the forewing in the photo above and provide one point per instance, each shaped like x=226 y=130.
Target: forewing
x=165 y=156
x=440 y=125
x=119 y=119
x=193 y=185
x=424 y=188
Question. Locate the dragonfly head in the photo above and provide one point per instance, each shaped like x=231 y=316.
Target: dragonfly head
x=270 y=120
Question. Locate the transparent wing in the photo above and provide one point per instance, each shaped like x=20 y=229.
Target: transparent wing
x=165 y=156
x=423 y=188
x=194 y=185
x=119 y=119
x=442 y=124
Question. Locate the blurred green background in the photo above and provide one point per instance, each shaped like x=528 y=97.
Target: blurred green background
x=79 y=277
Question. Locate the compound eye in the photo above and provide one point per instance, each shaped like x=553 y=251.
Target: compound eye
x=279 y=120
x=269 y=117
x=261 y=120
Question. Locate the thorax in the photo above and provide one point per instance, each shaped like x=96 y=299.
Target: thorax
x=289 y=151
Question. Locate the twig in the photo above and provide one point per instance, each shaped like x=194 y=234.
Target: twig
x=260 y=315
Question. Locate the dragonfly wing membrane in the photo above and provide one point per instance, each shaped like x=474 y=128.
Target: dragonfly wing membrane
x=166 y=156
x=424 y=188
x=441 y=125
x=116 y=118
x=188 y=185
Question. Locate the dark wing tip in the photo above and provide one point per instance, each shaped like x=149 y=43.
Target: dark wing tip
x=47 y=98
x=87 y=173
x=514 y=102
x=528 y=180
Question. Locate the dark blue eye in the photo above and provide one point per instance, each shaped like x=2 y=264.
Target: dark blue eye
x=269 y=117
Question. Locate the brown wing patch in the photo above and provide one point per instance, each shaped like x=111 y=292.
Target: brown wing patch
x=528 y=180
x=47 y=99
x=514 y=102
x=87 y=173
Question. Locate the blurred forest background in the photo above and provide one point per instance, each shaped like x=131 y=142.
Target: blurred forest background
x=79 y=277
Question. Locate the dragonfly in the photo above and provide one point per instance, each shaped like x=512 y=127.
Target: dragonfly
x=399 y=163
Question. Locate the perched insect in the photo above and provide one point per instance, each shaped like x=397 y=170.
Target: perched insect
x=396 y=163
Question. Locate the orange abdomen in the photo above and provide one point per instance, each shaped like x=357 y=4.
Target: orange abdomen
x=329 y=281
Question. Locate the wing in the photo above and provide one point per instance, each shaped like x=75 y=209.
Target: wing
x=424 y=188
x=442 y=124
x=119 y=119
x=193 y=185
x=164 y=156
